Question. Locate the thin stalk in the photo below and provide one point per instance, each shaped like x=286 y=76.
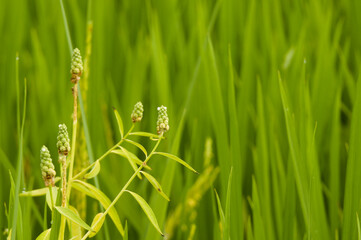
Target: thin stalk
x=125 y=187
x=104 y=155
x=73 y=139
x=51 y=197
x=62 y=160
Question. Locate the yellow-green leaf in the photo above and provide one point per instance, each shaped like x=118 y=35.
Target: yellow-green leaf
x=131 y=162
x=98 y=226
x=133 y=157
x=155 y=184
x=177 y=159
x=147 y=210
x=120 y=122
x=137 y=145
x=97 y=194
x=95 y=170
x=35 y=193
x=76 y=232
x=44 y=235
x=55 y=194
x=71 y=215
x=146 y=134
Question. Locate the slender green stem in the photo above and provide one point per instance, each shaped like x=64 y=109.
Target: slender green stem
x=62 y=160
x=51 y=197
x=80 y=174
x=125 y=186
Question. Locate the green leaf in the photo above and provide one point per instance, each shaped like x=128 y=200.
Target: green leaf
x=95 y=170
x=97 y=194
x=76 y=232
x=137 y=145
x=56 y=218
x=134 y=158
x=44 y=235
x=175 y=158
x=148 y=211
x=125 y=231
x=131 y=161
x=71 y=215
x=155 y=184
x=35 y=193
x=98 y=226
x=221 y=213
x=146 y=134
x=55 y=194
x=358 y=227
x=120 y=122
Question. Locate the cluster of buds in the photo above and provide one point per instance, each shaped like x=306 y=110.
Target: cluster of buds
x=162 y=123
x=137 y=113
x=76 y=66
x=47 y=167
x=63 y=143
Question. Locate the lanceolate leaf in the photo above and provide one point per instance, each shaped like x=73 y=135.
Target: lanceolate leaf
x=122 y=152
x=76 y=232
x=69 y=214
x=120 y=122
x=95 y=193
x=44 y=235
x=48 y=198
x=145 y=134
x=155 y=184
x=175 y=158
x=35 y=193
x=130 y=159
x=98 y=226
x=137 y=145
x=95 y=170
x=148 y=211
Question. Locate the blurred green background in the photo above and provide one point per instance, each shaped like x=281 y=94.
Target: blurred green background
x=295 y=161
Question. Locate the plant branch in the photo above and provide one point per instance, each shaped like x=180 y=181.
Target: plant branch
x=125 y=187
x=80 y=174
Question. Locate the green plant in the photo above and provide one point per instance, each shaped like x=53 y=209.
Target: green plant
x=79 y=180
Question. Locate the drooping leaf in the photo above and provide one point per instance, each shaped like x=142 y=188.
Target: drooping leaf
x=97 y=194
x=44 y=235
x=98 y=226
x=175 y=158
x=120 y=122
x=147 y=210
x=95 y=170
x=134 y=158
x=131 y=162
x=155 y=184
x=140 y=146
x=71 y=215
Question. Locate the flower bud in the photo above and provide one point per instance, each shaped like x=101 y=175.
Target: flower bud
x=63 y=143
x=76 y=66
x=137 y=113
x=47 y=167
x=162 y=123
